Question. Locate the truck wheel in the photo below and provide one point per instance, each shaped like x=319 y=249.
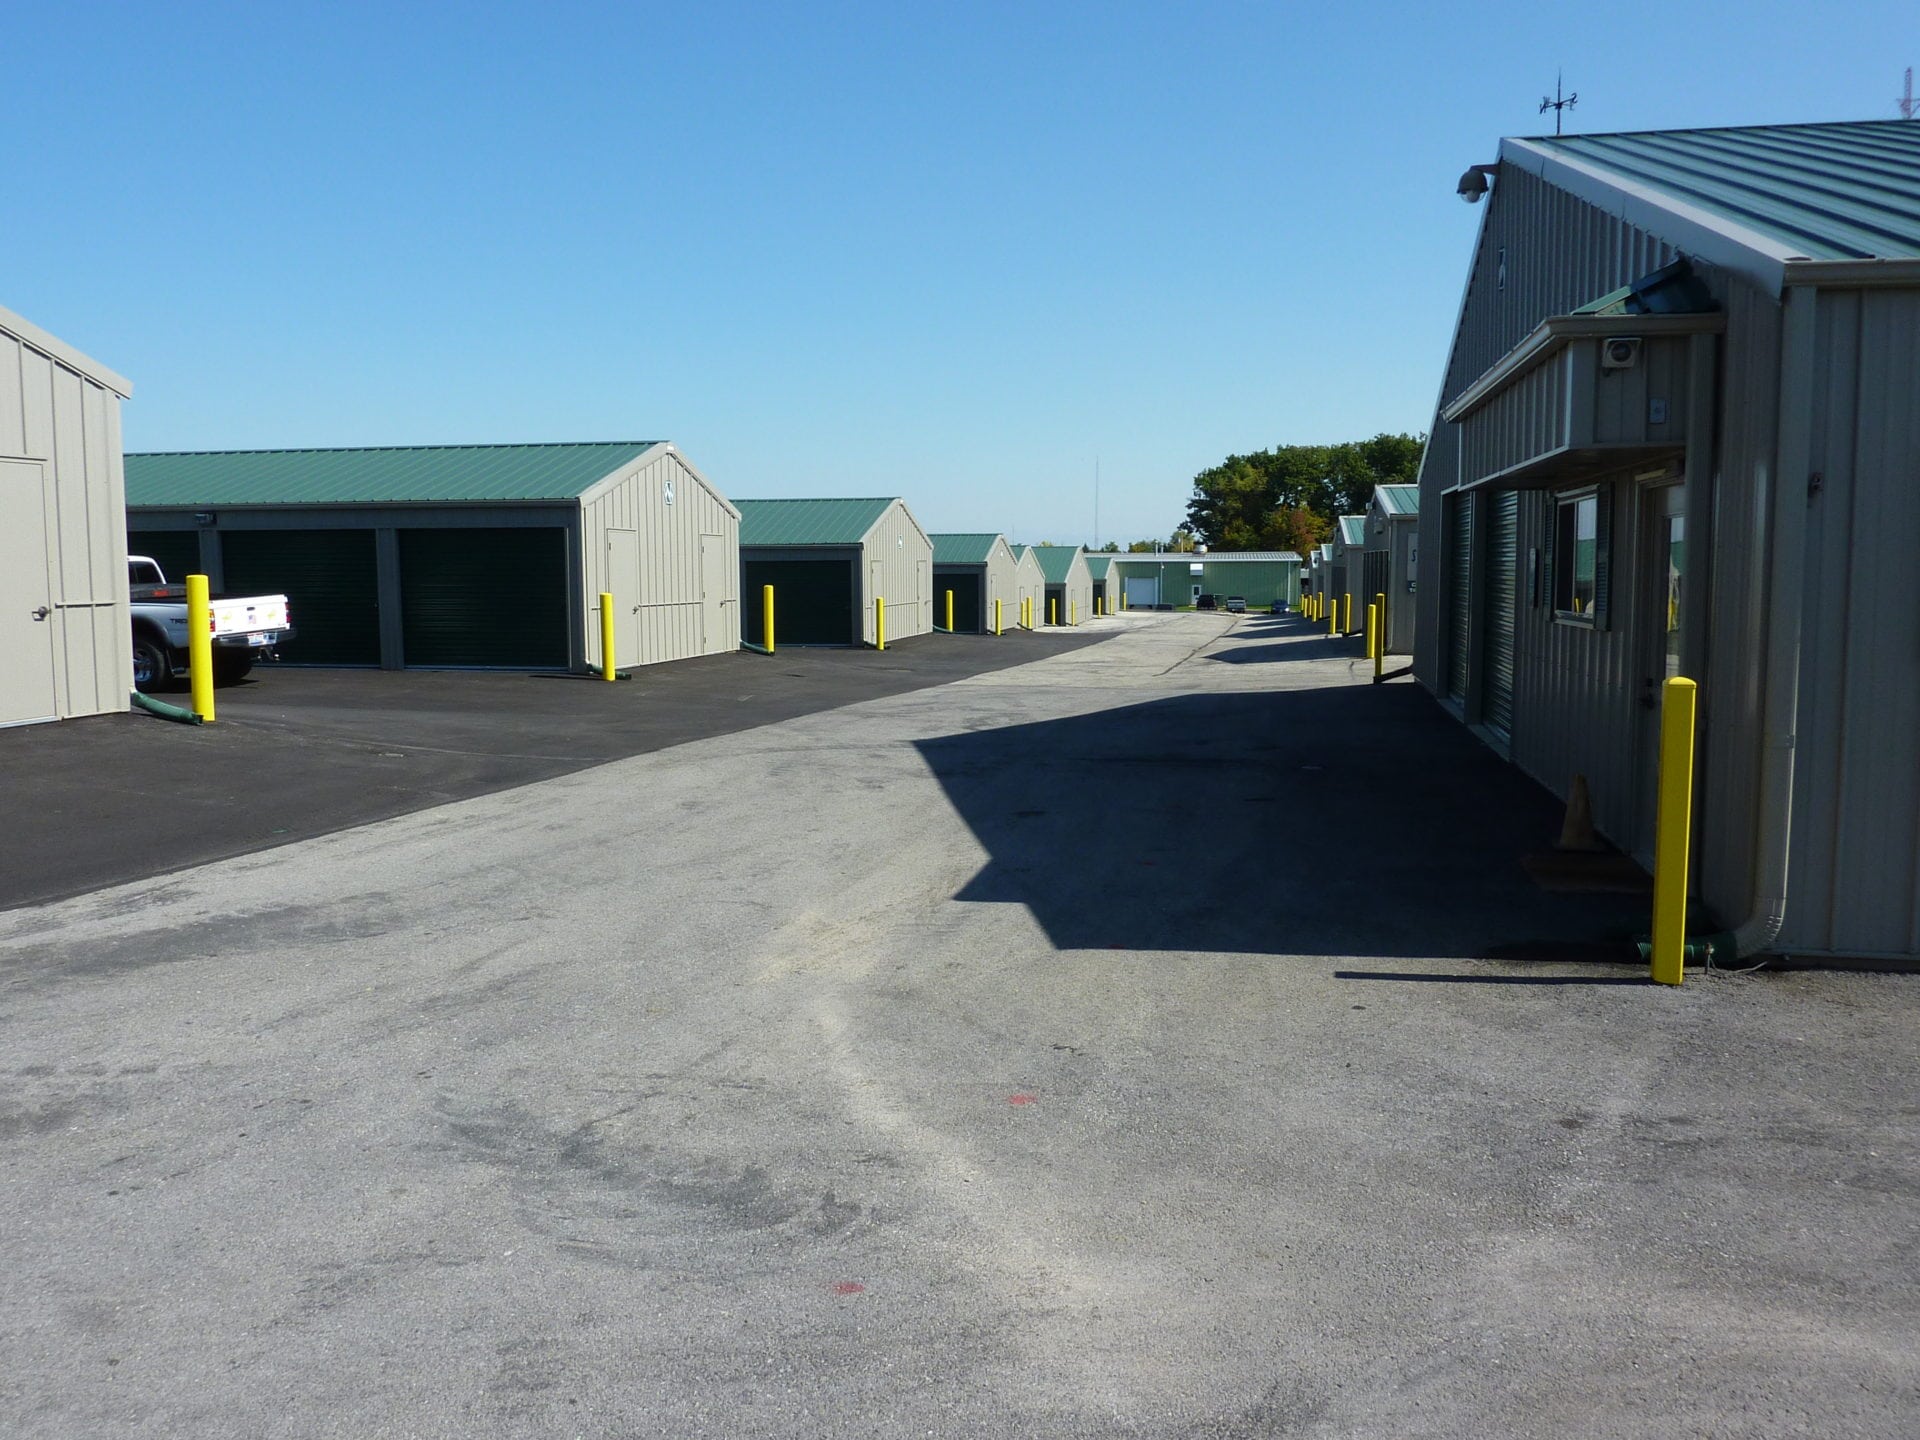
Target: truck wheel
x=150 y=668
x=230 y=669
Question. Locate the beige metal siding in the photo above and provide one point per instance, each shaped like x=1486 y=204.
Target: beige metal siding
x=1003 y=584
x=1854 y=886
x=1030 y=586
x=904 y=555
x=52 y=413
x=675 y=617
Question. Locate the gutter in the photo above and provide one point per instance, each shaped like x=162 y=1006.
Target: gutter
x=1781 y=632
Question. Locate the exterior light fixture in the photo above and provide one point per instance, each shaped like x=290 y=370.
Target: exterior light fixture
x=1475 y=183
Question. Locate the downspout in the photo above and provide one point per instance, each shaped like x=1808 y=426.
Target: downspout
x=1789 y=485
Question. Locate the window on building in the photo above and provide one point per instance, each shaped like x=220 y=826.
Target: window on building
x=1577 y=557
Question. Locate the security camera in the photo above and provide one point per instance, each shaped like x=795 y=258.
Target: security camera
x=1473 y=185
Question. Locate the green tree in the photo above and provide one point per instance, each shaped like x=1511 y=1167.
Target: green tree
x=1287 y=498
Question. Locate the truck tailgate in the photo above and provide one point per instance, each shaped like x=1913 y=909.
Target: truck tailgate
x=250 y=615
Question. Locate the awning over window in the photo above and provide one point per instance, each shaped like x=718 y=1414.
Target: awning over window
x=1585 y=395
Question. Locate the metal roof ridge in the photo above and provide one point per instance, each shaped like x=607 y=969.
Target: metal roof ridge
x=391 y=449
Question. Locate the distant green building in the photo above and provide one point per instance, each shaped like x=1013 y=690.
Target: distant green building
x=1173 y=579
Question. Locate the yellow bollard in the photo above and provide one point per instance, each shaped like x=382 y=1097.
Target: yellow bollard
x=1380 y=641
x=996 y=617
x=200 y=647
x=1376 y=642
x=1073 y=612
x=605 y=634
x=1673 y=831
x=1346 y=627
x=1053 y=610
x=949 y=612
x=766 y=616
x=1333 y=615
x=880 y=622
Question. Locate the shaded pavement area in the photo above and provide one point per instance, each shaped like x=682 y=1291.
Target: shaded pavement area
x=297 y=752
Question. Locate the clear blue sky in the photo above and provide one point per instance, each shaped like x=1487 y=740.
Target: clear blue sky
x=856 y=249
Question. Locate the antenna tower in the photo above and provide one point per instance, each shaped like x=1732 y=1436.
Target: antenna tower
x=1559 y=104
x=1908 y=105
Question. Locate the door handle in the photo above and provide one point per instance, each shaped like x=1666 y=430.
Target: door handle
x=42 y=612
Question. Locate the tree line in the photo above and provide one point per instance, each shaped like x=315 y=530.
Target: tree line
x=1288 y=498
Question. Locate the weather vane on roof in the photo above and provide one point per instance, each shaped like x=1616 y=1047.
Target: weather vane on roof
x=1559 y=104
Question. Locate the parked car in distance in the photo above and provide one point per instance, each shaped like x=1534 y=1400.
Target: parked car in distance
x=245 y=628
x=1205 y=602
x=1236 y=604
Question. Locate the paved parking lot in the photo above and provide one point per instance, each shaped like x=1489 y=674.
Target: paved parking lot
x=296 y=753
x=992 y=1059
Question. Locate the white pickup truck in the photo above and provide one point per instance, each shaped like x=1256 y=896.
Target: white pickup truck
x=245 y=629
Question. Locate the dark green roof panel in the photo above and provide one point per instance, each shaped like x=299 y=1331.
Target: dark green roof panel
x=1847 y=191
x=963 y=549
x=1055 y=561
x=413 y=474
x=808 y=522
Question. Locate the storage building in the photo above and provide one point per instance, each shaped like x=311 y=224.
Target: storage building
x=457 y=556
x=1105 y=582
x=1349 y=572
x=1677 y=435
x=1069 y=584
x=828 y=561
x=978 y=570
x=1168 y=579
x=1393 y=545
x=1030 y=584
x=65 y=632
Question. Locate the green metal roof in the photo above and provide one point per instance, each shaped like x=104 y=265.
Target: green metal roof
x=1098 y=565
x=1055 y=561
x=1846 y=191
x=963 y=549
x=1399 y=499
x=411 y=474
x=808 y=522
x=1353 y=529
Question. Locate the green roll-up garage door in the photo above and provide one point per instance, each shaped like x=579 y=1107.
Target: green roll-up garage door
x=176 y=551
x=965 y=585
x=812 y=601
x=329 y=579
x=484 y=598
x=1459 y=592
x=1503 y=586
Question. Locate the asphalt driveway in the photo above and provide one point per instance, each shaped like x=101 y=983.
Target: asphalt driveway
x=296 y=753
x=991 y=1059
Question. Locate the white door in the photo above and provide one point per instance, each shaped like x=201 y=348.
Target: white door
x=26 y=599
x=713 y=594
x=623 y=580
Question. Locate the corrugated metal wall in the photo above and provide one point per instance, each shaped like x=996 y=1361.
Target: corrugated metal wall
x=1077 y=595
x=51 y=413
x=679 y=615
x=1855 y=883
x=1030 y=587
x=1003 y=584
x=905 y=557
x=1541 y=252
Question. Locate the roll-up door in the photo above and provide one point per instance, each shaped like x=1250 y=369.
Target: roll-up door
x=1459 y=593
x=1503 y=571
x=177 y=552
x=967 y=609
x=812 y=601
x=485 y=598
x=330 y=581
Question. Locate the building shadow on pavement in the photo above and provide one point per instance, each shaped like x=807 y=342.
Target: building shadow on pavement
x=1346 y=820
